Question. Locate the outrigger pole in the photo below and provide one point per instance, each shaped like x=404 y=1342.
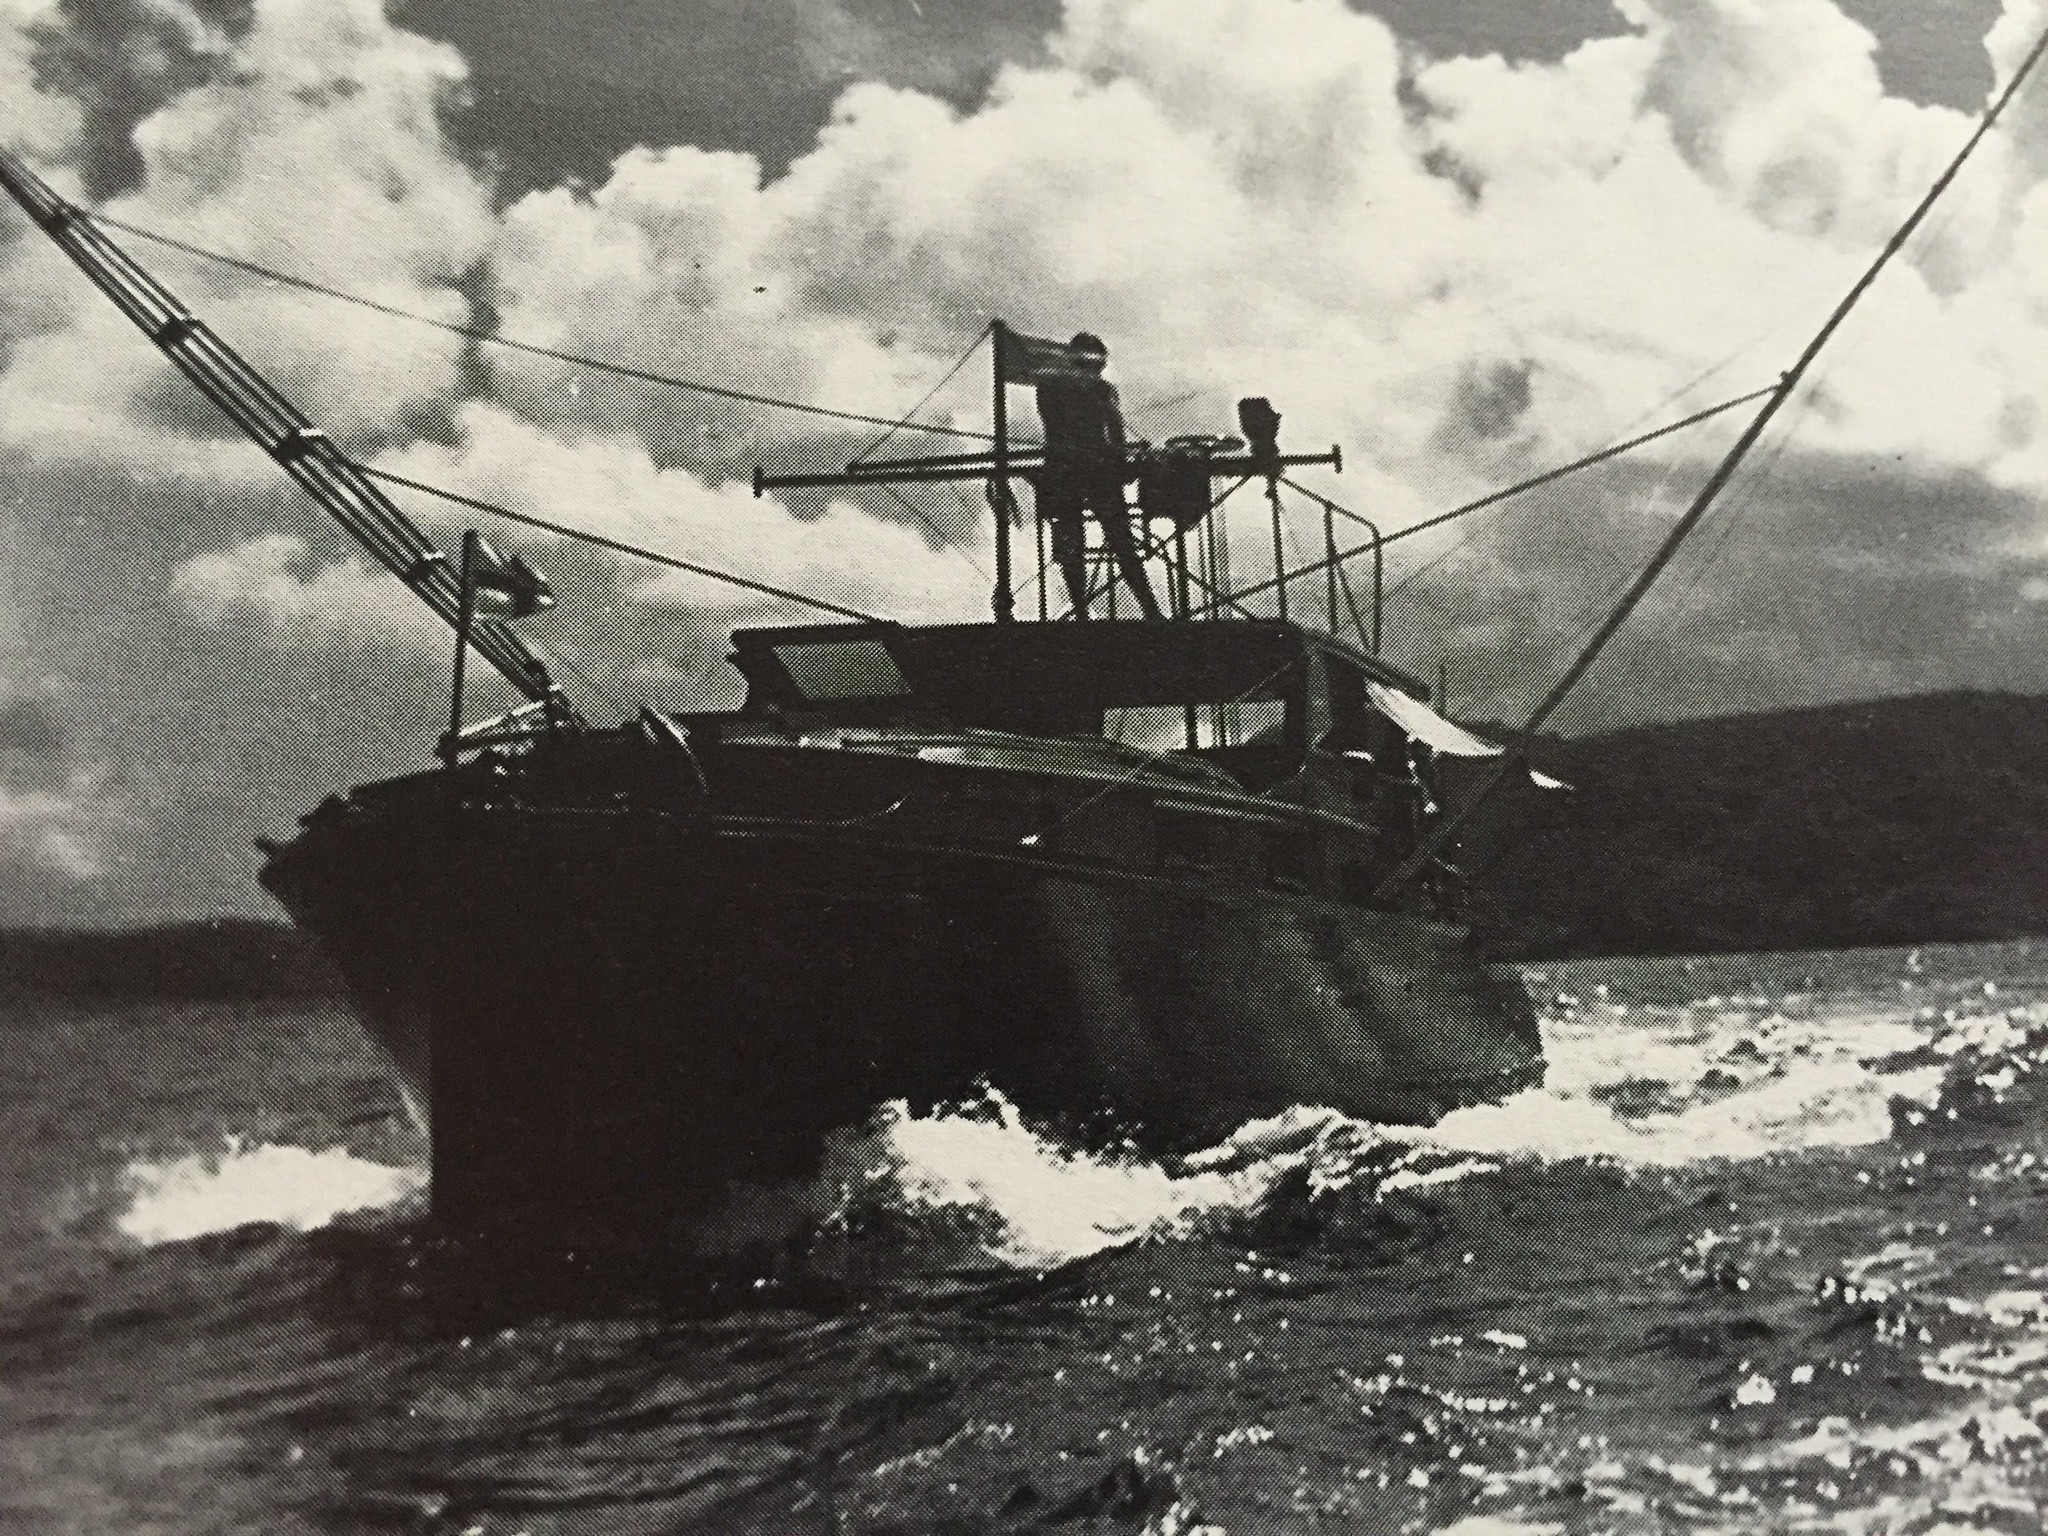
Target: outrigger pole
x=302 y=450
x=1432 y=845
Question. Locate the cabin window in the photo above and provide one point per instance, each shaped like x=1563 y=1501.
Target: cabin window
x=843 y=669
x=1260 y=721
x=1149 y=727
x=1164 y=727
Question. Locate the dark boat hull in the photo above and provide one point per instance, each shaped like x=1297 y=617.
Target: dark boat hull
x=609 y=1017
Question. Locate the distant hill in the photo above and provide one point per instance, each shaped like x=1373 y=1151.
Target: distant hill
x=1899 y=821
x=238 y=959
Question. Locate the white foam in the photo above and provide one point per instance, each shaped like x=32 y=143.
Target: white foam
x=1964 y=1460
x=1726 y=1082
x=202 y=1193
x=1049 y=1204
x=1829 y=1104
x=1741 y=1086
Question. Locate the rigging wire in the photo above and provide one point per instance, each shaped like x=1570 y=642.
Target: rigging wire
x=560 y=658
x=1585 y=620
x=1147 y=758
x=1221 y=599
x=1152 y=407
x=597 y=639
x=1409 y=577
x=890 y=426
x=1493 y=498
x=908 y=417
x=1715 y=482
x=583 y=536
x=1357 y=619
x=1030 y=582
x=1579 y=626
x=971 y=521
x=513 y=344
x=1761 y=477
x=1604 y=454
x=1232 y=491
x=1714 y=370
x=1740 y=499
x=1752 y=487
x=1574 y=628
x=1679 y=393
x=934 y=527
x=969 y=518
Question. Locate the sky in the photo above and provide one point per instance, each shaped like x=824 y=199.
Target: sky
x=1468 y=242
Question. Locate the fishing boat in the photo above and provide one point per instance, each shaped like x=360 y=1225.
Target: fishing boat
x=1119 y=870
x=1149 y=867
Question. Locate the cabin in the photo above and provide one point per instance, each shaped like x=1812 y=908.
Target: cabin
x=1267 y=708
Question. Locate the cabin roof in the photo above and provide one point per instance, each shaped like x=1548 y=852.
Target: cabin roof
x=1122 y=659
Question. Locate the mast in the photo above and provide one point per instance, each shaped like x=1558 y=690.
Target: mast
x=302 y=450
x=999 y=499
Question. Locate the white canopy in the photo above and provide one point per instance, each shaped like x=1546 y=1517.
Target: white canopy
x=1427 y=726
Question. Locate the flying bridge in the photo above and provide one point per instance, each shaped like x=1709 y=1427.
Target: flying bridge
x=1081 y=479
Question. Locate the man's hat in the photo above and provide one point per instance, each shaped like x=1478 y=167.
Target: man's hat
x=1088 y=344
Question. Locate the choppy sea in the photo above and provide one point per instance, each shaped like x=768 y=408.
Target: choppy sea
x=1767 y=1253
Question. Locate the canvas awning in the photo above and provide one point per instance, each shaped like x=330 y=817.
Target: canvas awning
x=1427 y=726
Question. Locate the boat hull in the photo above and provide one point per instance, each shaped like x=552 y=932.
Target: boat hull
x=608 y=1018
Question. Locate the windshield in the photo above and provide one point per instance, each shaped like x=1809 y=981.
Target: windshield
x=1164 y=727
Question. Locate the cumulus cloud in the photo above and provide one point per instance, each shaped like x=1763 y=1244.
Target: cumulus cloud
x=612 y=485
x=1265 y=194
x=313 y=144
x=29 y=727
x=57 y=816
x=118 y=61
x=47 y=122
x=51 y=831
x=275 y=581
x=1244 y=194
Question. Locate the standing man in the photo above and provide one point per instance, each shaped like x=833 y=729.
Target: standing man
x=1084 y=472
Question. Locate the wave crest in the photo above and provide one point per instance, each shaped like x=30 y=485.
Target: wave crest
x=201 y=1193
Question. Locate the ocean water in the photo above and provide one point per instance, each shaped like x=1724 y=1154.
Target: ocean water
x=1767 y=1253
